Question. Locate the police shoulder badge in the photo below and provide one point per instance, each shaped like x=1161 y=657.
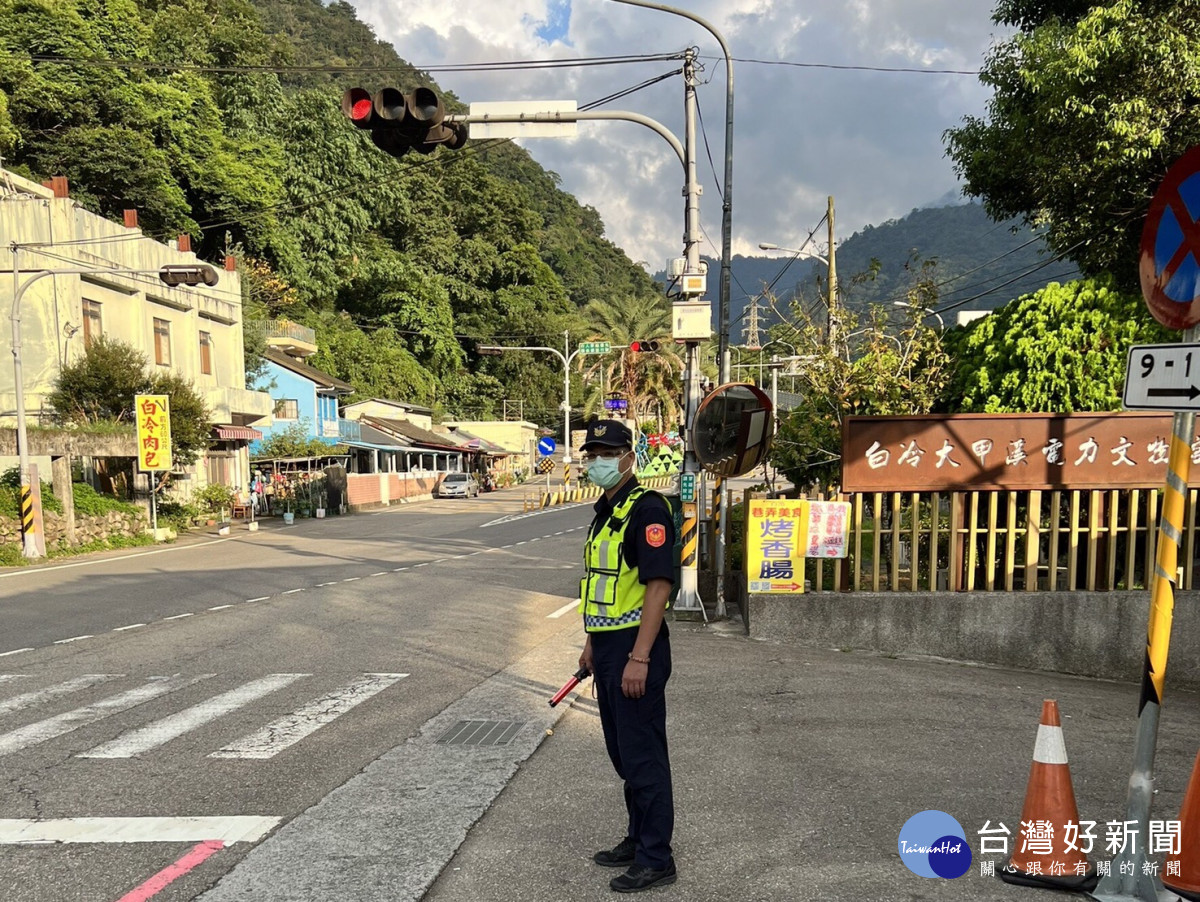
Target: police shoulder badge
x=656 y=535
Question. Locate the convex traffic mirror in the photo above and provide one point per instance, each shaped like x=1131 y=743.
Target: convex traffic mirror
x=732 y=431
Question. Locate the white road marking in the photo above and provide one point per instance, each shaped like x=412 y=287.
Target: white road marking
x=380 y=573
x=426 y=564
x=292 y=591
x=15 y=651
x=14 y=831
x=72 y=639
x=260 y=598
x=565 y=609
x=132 y=626
x=179 y=616
x=29 y=699
x=5 y=677
x=109 y=560
x=399 y=569
x=352 y=579
x=287 y=731
x=323 y=585
x=132 y=743
x=53 y=727
x=221 y=607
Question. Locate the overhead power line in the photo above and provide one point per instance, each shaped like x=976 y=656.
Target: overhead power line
x=498 y=66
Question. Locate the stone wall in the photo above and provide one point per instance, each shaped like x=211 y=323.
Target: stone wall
x=87 y=528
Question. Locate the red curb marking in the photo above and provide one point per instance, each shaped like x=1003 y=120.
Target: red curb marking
x=171 y=873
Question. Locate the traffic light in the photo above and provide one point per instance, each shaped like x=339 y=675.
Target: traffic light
x=399 y=121
x=202 y=274
x=643 y=347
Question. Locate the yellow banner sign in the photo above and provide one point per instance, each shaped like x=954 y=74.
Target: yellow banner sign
x=153 y=432
x=776 y=539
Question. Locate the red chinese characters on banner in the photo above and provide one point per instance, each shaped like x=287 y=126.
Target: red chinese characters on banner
x=154 y=432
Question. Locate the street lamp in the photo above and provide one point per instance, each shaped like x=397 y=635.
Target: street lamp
x=766 y=246
x=726 y=194
x=924 y=310
x=566 y=355
x=170 y=275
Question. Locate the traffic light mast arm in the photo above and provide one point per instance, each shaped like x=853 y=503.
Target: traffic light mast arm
x=594 y=115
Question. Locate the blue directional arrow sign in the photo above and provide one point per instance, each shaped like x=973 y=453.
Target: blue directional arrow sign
x=546 y=445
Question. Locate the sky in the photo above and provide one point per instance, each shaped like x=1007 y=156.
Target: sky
x=871 y=139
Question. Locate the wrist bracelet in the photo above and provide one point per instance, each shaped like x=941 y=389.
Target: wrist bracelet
x=633 y=657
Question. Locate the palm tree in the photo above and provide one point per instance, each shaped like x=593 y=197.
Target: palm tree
x=651 y=383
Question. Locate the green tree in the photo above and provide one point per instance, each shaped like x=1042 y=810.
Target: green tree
x=1091 y=105
x=294 y=441
x=1059 y=350
x=649 y=382
x=101 y=385
x=875 y=370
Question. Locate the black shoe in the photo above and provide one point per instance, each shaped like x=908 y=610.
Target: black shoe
x=619 y=857
x=640 y=877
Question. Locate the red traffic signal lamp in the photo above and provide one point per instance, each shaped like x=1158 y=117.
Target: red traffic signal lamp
x=399 y=121
x=643 y=347
x=202 y=274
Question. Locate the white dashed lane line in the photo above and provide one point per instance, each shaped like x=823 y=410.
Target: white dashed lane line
x=349 y=579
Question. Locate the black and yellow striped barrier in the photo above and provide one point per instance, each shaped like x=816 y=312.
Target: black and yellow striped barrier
x=573 y=496
x=690 y=537
x=28 y=522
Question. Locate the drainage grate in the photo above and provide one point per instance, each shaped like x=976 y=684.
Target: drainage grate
x=481 y=732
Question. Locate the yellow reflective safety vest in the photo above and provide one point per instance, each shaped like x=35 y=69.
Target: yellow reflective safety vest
x=610 y=593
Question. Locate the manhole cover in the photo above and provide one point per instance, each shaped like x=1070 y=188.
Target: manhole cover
x=481 y=732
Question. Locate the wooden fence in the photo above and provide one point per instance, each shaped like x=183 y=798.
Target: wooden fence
x=1023 y=541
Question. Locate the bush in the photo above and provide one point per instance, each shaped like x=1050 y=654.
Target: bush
x=177 y=514
x=10 y=494
x=213 y=498
x=90 y=503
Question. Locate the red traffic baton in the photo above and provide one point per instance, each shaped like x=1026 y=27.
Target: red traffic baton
x=580 y=674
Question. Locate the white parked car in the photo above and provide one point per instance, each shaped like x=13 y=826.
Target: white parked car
x=458 y=485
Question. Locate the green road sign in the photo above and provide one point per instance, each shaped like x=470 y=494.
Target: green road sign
x=595 y=347
x=687 y=487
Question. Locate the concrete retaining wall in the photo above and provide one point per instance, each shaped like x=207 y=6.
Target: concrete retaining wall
x=1100 y=634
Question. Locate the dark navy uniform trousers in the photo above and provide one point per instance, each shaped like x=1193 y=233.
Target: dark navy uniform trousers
x=635 y=734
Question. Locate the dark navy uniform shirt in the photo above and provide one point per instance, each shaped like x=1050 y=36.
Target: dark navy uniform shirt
x=649 y=519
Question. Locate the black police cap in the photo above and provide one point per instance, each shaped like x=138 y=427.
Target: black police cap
x=612 y=433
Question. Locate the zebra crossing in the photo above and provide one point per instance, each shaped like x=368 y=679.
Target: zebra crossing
x=263 y=743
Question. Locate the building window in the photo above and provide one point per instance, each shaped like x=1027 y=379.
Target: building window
x=287 y=409
x=93 y=327
x=206 y=353
x=162 y=342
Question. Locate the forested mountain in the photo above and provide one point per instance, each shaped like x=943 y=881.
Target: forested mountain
x=221 y=119
x=962 y=252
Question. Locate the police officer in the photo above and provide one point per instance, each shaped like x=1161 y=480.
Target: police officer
x=624 y=595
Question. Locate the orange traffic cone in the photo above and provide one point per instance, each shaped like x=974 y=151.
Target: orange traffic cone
x=1183 y=870
x=1040 y=857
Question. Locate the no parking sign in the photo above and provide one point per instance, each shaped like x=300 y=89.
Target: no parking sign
x=1170 y=258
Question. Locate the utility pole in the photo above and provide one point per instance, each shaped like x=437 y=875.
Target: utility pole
x=833 y=298
x=689 y=595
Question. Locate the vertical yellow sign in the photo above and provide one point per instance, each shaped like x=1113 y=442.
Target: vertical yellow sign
x=776 y=538
x=153 y=432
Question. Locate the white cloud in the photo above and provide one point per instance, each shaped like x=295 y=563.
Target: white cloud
x=871 y=139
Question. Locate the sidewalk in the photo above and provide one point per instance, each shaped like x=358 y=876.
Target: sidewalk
x=795 y=769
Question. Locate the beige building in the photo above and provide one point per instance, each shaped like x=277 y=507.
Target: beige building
x=390 y=410
x=517 y=437
x=194 y=331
